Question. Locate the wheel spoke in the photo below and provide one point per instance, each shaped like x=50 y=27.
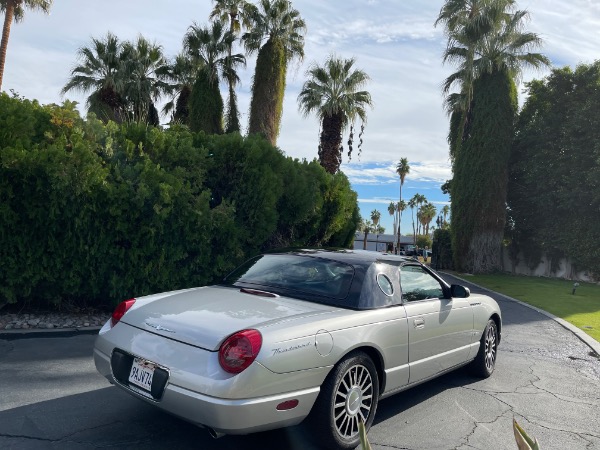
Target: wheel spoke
x=345 y=385
x=368 y=388
x=364 y=419
x=354 y=428
x=347 y=420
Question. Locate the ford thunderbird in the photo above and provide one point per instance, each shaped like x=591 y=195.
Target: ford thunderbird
x=309 y=336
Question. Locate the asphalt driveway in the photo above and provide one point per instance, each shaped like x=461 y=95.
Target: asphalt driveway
x=51 y=397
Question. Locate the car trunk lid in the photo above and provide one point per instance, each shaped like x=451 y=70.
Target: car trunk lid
x=204 y=317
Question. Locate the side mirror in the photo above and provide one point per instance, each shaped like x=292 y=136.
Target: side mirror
x=458 y=291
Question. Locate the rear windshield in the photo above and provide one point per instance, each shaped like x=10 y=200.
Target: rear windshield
x=304 y=275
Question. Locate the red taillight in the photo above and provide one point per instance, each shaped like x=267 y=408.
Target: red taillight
x=120 y=311
x=239 y=350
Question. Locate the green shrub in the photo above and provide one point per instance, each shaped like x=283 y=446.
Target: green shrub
x=91 y=214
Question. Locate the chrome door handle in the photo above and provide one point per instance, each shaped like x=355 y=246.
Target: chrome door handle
x=419 y=323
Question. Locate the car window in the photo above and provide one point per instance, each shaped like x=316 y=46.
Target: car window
x=418 y=284
x=385 y=284
x=301 y=274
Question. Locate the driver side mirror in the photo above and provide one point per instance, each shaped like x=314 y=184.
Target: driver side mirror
x=458 y=291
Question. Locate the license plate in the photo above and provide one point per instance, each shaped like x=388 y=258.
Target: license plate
x=141 y=373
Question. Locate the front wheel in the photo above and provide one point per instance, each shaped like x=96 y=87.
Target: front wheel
x=485 y=362
x=348 y=396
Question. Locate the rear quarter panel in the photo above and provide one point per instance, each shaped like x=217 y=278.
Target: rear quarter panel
x=304 y=345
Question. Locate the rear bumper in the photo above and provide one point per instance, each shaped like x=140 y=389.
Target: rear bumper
x=224 y=415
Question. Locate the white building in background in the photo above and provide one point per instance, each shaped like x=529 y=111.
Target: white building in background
x=382 y=242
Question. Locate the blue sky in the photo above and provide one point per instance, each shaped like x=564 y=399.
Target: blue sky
x=394 y=41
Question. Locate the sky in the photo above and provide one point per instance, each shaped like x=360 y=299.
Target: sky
x=393 y=41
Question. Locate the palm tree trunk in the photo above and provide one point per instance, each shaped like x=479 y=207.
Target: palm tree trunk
x=233 y=123
x=399 y=218
x=268 y=89
x=8 y=19
x=330 y=154
x=413 y=224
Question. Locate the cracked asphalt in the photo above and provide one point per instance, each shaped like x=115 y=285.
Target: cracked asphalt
x=52 y=398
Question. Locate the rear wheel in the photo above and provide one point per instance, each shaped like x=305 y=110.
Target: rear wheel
x=348 y=396
x=484 y=363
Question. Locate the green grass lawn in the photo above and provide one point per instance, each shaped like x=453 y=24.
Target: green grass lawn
x=552 y=295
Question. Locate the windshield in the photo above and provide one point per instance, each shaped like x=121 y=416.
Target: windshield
x=299 y=274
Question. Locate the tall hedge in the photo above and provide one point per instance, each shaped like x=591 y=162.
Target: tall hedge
x=554 y=185
x=91 y=214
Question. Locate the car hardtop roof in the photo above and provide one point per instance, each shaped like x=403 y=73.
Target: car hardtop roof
x=354 y=257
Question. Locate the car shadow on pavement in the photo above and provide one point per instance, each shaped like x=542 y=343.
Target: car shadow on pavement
x=404 y=401
x=108 y=417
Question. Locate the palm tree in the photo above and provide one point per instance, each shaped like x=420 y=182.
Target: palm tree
x=333 y=92
x=99 y=73
x=392 y=212
x=412 y=203
x=277 y=34
x=445 y=212
x=181 y=74
x=402 y=169
x=466 y=23
x=489 y=60
x=15 y=10
x=375 y=216
x=145 y=71
x=125 y=79
x=208 y=47
x=236 y=13
x=420 y=199
x=415 y=203
x=366 y=227
x=428 y=212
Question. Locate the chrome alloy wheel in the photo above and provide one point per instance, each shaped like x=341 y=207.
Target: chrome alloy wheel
x=490 y=347
x=353 y=400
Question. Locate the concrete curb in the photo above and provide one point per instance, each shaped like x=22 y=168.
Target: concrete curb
x=11 y=335
x=585 y=338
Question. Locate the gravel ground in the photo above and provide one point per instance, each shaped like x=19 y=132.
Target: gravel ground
x=48 y=321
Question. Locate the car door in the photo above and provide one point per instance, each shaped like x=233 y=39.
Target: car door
x=439 y=329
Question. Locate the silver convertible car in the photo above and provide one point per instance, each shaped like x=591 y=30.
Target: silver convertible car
x=310 y=334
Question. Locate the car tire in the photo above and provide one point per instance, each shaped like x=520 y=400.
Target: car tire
x=484 y=363
x=349 y=393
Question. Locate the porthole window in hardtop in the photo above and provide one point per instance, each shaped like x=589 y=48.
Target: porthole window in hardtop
x=418 y=284
x=385 y=284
